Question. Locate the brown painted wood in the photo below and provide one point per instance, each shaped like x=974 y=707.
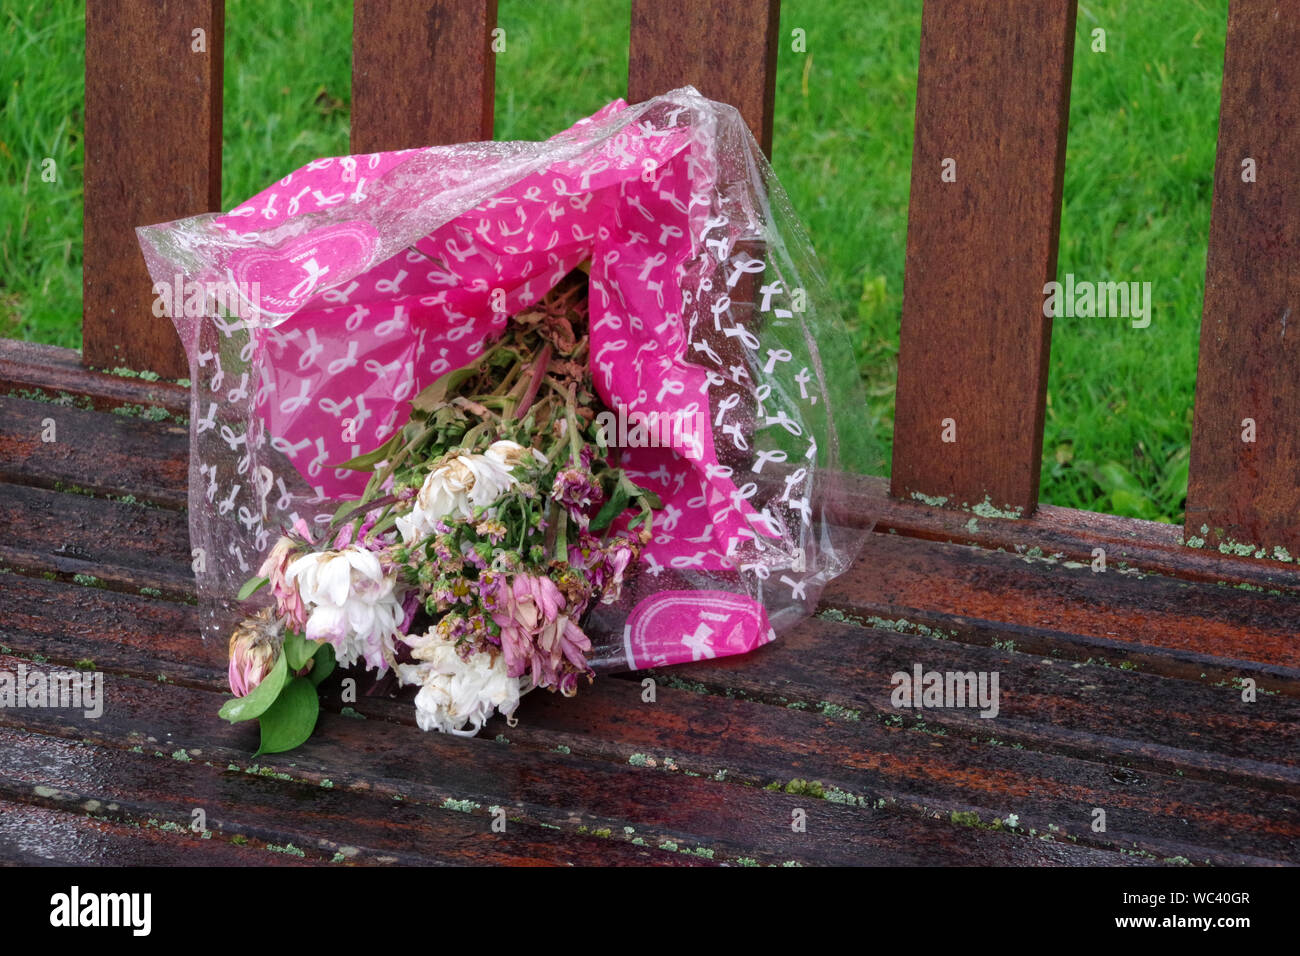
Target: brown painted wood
x=423 y=73
x=94 y=452
x=32 y=370
x=323 y=824
x=730 y=822
x=993 y=94
x=747 y=742
x=687 y=732
x=1184 y=772
x=126 y=546
x=752 y=743
x=1091 y=712
x=726 y=49
x=151 y=638
x=1066 y=534
x=1238 y=491
x=153 y=154
x=43 y=835
x=1201 y=624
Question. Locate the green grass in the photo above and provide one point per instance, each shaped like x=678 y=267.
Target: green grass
x=1139 y=167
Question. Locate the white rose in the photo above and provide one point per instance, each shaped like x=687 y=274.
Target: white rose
x=455 y=693
x=458 y=486
x=350 y=602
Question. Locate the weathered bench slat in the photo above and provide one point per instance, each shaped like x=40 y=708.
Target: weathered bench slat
x=272 y=813
x=1091 y=712
x=127 y=546
x=31 y=370
x=98 y=453
x=549 y=788
x=423 y=73
x=153 y=154
x=934 y=773
x=1071 y=535
x=120 y=633
x=43 y=834
x=759 y=744
x=1248 y=492
x=752 y=742
x=992 y=97
x=1239 y=628
x=724 y=48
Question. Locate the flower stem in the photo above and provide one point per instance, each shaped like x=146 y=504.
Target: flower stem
x=539 y=370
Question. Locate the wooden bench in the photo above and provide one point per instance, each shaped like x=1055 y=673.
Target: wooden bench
x=1120 y=690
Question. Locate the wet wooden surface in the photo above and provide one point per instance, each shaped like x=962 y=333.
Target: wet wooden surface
x=1247 y=492
x=1119 y=691
x=153 y=154
x=423 y=74
x=992 y=102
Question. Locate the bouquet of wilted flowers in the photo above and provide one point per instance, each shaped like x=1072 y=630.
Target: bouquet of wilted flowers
x=492 y=521
x=434 y=302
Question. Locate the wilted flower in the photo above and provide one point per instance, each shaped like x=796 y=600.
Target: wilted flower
x=512 y=454
x=457 y=691
x=454 y=489
x=352 y=603
x=617 y=559
x=577 y=490
x=254 y=646
x=491 y=529
x=287 y=598
x=537 y=636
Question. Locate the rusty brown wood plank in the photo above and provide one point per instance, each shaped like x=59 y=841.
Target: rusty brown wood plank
x=1069 y=534
x=125 y=545
x=696 y=815
x=135 y=634
x=1221 y=626
x=1240 y=491
x=1088 y=711
x=99 y=453
x=726 y=49
x=865 y=761
x=745 y=742
x=758 y=744
x=153 y=154
x=423 y=73
x=323 y=823
x=32 y=370
x=41 y=835
x=992 y=97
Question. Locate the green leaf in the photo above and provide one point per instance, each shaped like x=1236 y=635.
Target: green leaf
x=324 y=666
x=251 y=586
x=368 y=461
x=291 y=719
x=262 y=697
x=649 y=497
x=616 y=505
x=298 y=650
x=436 y=394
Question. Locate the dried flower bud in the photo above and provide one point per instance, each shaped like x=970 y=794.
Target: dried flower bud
x=254 y=646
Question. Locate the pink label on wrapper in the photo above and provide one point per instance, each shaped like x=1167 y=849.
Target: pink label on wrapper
x=674 y=627
x=291 y=275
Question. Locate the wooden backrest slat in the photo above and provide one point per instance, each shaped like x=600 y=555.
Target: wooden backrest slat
x=423 y=73
x=726 y=49
x=993 y=97
x=153 y=153
x=1248 y=492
